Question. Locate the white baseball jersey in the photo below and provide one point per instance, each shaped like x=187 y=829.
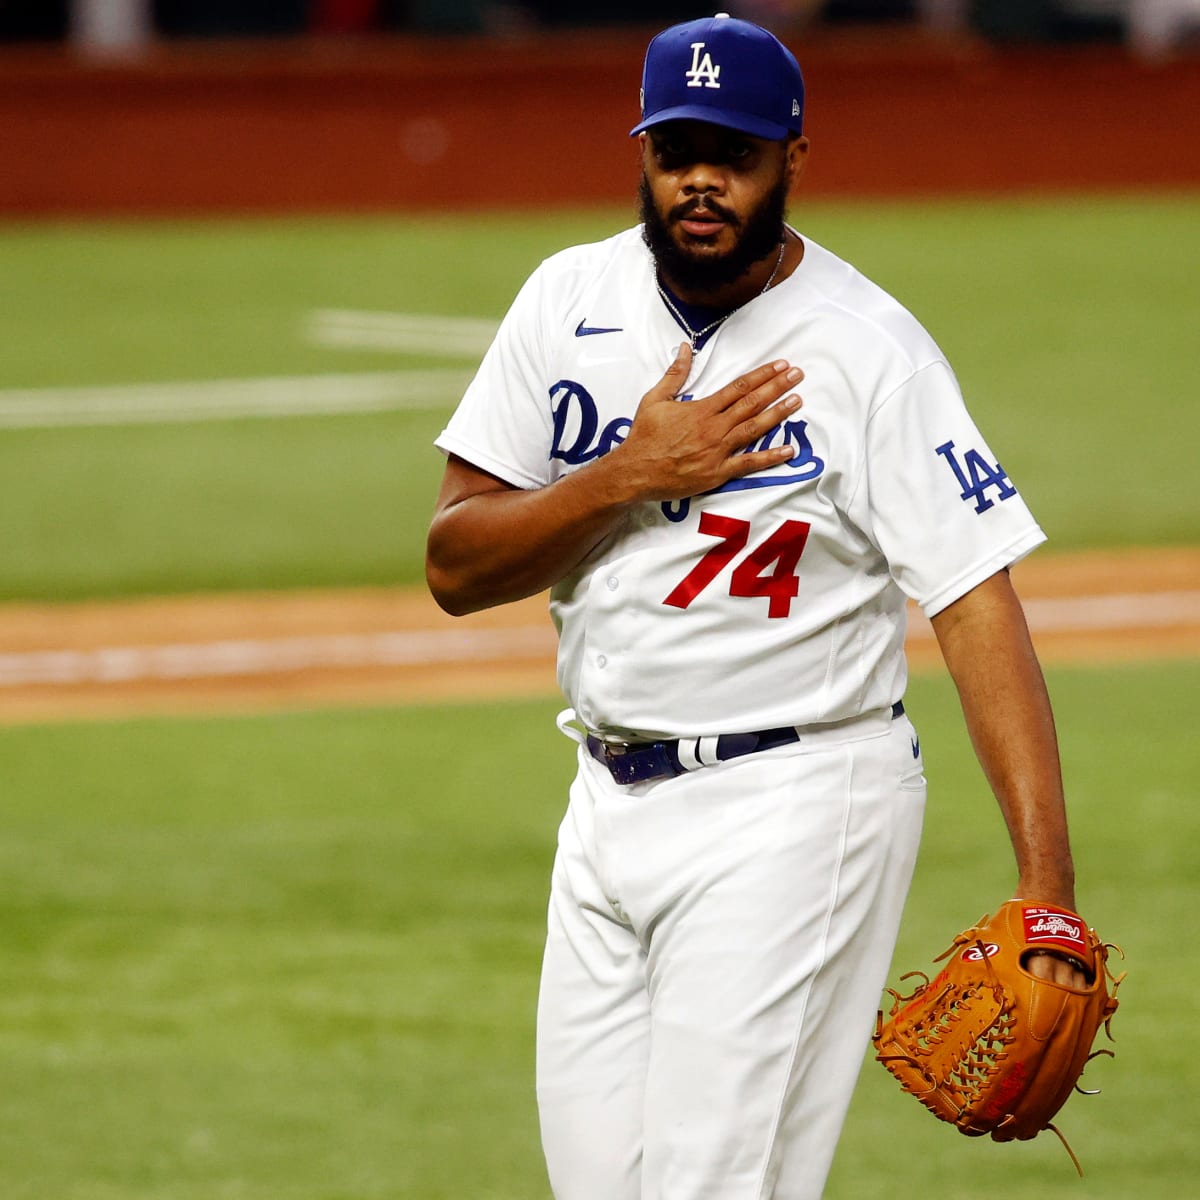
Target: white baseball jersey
x=779 y=598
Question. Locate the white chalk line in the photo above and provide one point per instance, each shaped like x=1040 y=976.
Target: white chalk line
x=1092 y=614
x=247 y=657
x=414 y=333
x=225 y=399
x=271 y=656
x=1131 y=610
x=280 y=396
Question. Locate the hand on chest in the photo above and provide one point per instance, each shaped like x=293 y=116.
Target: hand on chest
x=593 y=402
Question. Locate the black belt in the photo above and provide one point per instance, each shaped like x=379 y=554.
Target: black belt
x=640 y=762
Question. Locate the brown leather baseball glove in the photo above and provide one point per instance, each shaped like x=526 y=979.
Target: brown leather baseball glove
x=987 y=1045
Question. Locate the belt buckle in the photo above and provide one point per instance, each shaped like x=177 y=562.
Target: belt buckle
x=618 y=761
x=638 y=764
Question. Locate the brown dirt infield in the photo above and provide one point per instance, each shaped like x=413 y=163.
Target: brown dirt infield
x=238 y=653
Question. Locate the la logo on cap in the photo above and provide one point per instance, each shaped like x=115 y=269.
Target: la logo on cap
x=725 y=72
x=702 y=71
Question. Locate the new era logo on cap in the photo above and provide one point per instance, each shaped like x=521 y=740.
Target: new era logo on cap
x=724 y=71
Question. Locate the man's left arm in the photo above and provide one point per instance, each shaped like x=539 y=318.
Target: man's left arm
x=986 y=644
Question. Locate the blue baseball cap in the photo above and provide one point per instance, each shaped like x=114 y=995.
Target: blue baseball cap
x=724 y=71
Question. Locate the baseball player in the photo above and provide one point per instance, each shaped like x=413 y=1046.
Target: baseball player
x=731 y=458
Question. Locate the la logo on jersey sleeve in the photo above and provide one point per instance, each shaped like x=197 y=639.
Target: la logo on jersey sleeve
x=975 y=475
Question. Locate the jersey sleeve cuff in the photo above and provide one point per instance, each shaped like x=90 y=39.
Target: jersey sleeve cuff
x=448 y=444
x=959 y=587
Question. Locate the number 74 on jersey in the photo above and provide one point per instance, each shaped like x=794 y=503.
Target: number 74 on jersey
x=768 y=570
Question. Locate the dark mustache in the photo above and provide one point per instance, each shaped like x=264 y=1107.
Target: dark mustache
x=697 y=207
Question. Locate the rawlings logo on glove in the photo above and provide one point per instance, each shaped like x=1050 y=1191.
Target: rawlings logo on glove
x=987 y=1045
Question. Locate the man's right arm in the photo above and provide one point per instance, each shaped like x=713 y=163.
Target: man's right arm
x=490 y=543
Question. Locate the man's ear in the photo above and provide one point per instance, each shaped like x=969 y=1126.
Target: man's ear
x=797 y=158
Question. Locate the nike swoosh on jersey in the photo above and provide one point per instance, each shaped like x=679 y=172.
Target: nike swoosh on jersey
x=582 y=330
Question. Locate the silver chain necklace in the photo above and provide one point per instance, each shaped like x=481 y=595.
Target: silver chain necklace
x=694 y=335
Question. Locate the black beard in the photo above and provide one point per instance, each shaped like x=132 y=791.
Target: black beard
x=760 y=233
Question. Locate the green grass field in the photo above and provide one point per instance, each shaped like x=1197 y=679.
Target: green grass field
x=1070 y=326
x=295 y=956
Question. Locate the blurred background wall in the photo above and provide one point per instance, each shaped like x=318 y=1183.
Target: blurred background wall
x=1168 y=21
x=177 y=106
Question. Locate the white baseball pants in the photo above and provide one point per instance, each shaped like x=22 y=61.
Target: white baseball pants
x=717 y=946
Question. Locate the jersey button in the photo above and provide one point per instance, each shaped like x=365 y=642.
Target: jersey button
x=601 y=661
x=613 y=583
